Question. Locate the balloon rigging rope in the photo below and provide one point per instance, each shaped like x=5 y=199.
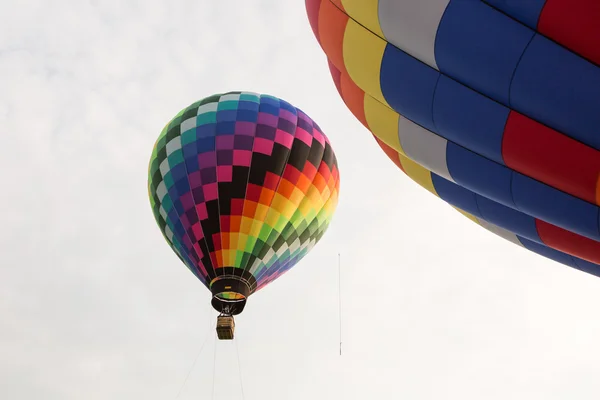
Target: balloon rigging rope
x=214 y=368
x=210 y=327
x=340 y=297
x=237 y=350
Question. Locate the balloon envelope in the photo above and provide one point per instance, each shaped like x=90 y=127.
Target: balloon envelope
x=242 y=186
x=491 y=105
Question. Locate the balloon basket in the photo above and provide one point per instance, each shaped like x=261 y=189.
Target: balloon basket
x=225 y=327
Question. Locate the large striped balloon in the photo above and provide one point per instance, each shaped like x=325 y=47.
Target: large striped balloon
x=493 y=105
x=242 y=186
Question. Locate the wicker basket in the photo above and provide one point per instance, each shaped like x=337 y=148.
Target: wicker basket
x=225 y=327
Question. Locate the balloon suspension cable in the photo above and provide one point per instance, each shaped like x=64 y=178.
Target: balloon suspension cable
x=340 y=297
x=225 y=311
x=239 y=369
x=214 y=369
x=210 y=328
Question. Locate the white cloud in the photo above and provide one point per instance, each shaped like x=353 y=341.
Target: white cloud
x=94 y=305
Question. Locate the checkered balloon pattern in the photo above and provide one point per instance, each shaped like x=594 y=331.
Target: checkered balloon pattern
x=242 y=184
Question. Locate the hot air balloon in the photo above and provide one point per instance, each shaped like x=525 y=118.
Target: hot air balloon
x=494 y=106
x=242 y=186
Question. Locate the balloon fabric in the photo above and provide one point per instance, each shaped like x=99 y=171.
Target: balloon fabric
x=491 y=105
x=242 y=186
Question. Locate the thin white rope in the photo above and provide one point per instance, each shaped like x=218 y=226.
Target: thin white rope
x=340 y=297
x=210 y=326
x=214 y=368
x=240 y=369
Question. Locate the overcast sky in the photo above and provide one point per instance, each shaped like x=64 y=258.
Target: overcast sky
x=95 y=305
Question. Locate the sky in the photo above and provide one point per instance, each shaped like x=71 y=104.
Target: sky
x=95 y=305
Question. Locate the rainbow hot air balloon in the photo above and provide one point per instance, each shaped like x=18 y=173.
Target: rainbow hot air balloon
x=242 y=186
x=493 y=105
